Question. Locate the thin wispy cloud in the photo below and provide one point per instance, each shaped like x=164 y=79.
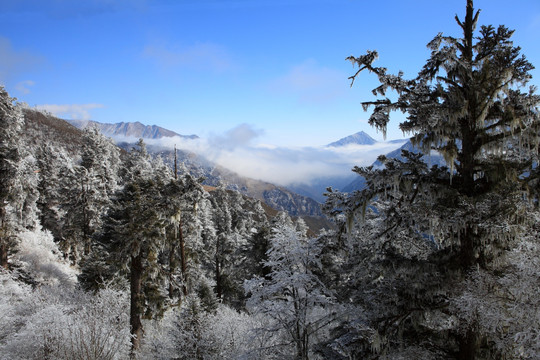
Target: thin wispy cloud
x=311 y=82
x=71 y=111
x=14 y=62
x=24 y=86
x=200 y=56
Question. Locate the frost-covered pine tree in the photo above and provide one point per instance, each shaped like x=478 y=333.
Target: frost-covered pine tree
x=134 y=233
x=52 y=163
x=430 y=226
x=182 y=198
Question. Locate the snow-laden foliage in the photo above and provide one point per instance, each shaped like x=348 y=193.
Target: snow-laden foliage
x=86 y=212
x=90 y=185
x=426 y=262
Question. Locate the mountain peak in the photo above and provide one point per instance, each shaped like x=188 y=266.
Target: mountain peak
x=360 y=138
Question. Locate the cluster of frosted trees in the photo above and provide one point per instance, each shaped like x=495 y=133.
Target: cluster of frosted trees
x=107 y=255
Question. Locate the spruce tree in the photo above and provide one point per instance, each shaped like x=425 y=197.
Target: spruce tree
x=421 y=229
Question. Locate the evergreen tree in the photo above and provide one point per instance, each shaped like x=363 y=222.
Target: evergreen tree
x=427 y=227
x=134 y=240
x=133 y=236
x=183 y=195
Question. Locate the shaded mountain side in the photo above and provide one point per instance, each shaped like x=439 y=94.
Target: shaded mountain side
x=130 y=129
x=431 y=159
x=357 y=184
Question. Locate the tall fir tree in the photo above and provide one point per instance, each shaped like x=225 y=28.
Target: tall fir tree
x=423 y=229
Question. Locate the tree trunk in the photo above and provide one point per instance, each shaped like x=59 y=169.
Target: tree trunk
x=4 y=254
x=172 y=268
x=467 y=256
x=468 y=125
x=183 y=264
x=467 y=345
x=219 y=291
x=469 y=134
x=3 y=241
x=136 y=303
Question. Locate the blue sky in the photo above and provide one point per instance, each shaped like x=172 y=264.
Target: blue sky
x=275 y=68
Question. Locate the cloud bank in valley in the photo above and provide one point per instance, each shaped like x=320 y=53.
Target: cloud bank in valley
x=237 y=151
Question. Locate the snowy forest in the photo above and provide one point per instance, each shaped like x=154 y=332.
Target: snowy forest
x=113 y=254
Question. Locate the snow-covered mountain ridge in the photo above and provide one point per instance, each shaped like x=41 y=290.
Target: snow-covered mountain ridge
x=130 y=130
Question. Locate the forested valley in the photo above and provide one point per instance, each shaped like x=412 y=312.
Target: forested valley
x=112 y=254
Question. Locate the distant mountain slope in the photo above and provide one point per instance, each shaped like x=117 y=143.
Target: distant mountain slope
x=130 y=129
x=360 y=138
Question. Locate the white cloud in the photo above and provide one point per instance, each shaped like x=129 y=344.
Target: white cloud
x=239 y=136
x=310 y=82
x=201 y=56
x=72 y=111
